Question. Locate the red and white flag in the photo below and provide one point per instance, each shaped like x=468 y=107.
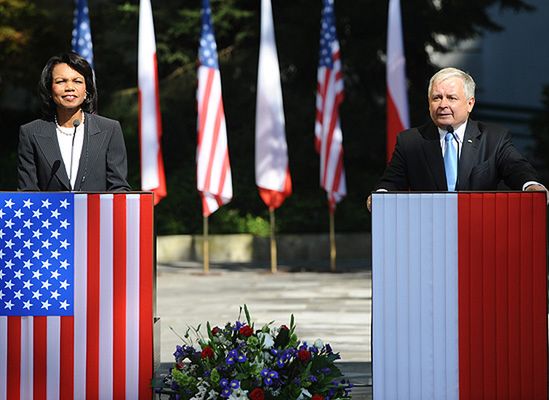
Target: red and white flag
x=272 y=172
x=459 y=296
x=328 y=135
x=213 y=168
x=397 y=101
x=150 y=121
x=104 y=348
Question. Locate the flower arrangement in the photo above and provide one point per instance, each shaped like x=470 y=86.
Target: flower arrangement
x=239 y=361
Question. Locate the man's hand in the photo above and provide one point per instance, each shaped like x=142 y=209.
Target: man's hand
x=369 y=203
x=538 y=188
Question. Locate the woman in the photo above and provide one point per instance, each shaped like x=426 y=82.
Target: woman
x=70 y=148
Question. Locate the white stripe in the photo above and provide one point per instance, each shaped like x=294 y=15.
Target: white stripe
x=415 y=309
x=3 y=357
x=80 y=293
x=106 y=297
x=53 y=357
x=132 y=296
x=27 y=357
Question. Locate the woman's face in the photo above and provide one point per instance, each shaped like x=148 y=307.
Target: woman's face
x=68 y=87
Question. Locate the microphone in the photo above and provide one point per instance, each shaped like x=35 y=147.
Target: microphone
x=450 y=129
x=76 y=124
x=55 y=166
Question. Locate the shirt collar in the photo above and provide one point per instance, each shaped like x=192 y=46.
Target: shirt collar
x=459 y=132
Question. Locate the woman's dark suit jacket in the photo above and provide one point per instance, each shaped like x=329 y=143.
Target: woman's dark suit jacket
x=102 y=167
x=487 y=157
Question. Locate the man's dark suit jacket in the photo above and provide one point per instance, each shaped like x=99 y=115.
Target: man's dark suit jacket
x=102 y=167
x=487 y=157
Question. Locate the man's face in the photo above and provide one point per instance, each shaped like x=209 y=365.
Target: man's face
x=448 y=104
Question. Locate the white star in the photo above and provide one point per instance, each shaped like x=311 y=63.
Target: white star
x=55 y=254
x=64 y=284
x=55 y=294
x=9 y=203
x=27 y=305
x=1 y=295
x=8 y=304
x=36 y=274
x=46 y=285
x=18 y=234
x=36 y=254
x=2 y=274
x=18 y=213
x=64 y=203
x=55 y=234
x=46 y=264
x=18 y=274
x=2 y=254
x=9 y=223
x=27 y=203
x=37 y=213
x=64 y=224
x=64 y=244
x=46 y=203
x=64 y=305
x=46 y=243
x=36 y=234
x=27 y=284
x=55 y=214
x=9 y=285
x=27 y=224
x=27 y=264
x=46 y=304
x=36 y=294
x=64 y=264
x=1 y=233
x=55 y=274
x=18 y=295
x=46 y=224
x=27 y=244
x=18 y=254
x=9 y=264
x=2 y=213
x=9 y=244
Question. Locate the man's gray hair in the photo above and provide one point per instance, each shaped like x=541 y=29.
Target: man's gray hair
x=447 y=73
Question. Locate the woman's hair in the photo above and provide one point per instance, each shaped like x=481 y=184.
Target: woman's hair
x=80 y=65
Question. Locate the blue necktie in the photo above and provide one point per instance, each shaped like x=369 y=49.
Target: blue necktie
x=450 y=161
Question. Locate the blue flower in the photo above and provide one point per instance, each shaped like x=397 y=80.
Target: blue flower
x=273 y=374
x=241 y=358
x=229 y=360
x=226 y=392
x=313 y=379
x=268 y=381
x=224 y=382
x=235 y=384
x=233 y=353
x=265 y=372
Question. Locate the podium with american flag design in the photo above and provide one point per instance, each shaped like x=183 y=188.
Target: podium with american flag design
x=76 y=295
x=459 y=295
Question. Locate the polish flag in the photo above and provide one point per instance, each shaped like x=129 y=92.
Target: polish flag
x=397 y=102
x=150 y=121
x=272 y=173
x=459 y=296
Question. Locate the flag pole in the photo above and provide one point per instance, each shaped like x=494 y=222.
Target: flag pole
x=273 y=241
x=332 y=242
x=206 y=246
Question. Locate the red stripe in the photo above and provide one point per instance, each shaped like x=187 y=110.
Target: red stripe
x=92 y=322
x=40 y=361
x=119 y=297
x=66 y=384
x=394 y=125
x=213 y=148
x=14 y=358
x=160 y=191
x=146 y=255
x=203 y=107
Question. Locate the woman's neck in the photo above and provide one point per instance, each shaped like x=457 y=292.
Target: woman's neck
x=66 y=118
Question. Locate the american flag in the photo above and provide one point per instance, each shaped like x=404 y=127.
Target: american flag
x=81 y=33
x=328 y=135
x=214 y=180
x=76 y=287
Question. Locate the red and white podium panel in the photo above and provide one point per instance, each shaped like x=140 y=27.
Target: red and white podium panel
x=459 y=296
x=76 y=295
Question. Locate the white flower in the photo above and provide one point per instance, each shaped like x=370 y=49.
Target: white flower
x=305 y=394
x=238 y=394
x=267 y=340
x=319 y=344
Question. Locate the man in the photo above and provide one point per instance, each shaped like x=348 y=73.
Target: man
x=454 y=152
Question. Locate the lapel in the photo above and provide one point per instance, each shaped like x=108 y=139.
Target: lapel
x=469 y=151
x=93 y=140
x=433 y=154
x=47 y=141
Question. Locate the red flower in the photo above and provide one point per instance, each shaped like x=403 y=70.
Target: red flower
x=257 y=394
x=317 y=397
x=246 y=330
x=207 y=352
x=304 y=355
x=215 y=330
x=284 y=327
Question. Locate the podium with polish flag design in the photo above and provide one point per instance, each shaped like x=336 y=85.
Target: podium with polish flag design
x=76 y=295
x=459 y=295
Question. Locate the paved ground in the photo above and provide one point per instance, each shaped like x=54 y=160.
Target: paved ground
x=335 y=307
